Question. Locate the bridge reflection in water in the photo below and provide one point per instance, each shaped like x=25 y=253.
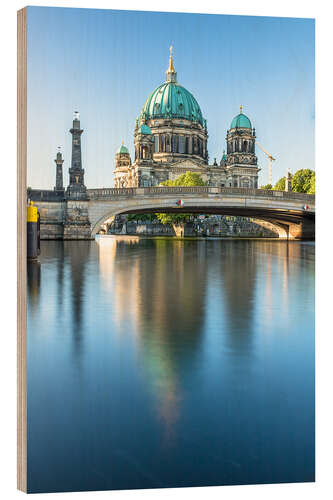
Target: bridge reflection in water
x=171 y=363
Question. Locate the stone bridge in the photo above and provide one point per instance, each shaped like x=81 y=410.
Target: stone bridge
x=286 y=210
x=293 y=214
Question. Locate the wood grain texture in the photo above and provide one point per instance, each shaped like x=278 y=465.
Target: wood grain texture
x=21 y=249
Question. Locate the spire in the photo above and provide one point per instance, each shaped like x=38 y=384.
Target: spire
x=241 y=109
x=171 y=72
x=171 y=67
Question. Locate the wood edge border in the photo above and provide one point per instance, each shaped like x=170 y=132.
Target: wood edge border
x=21 y=249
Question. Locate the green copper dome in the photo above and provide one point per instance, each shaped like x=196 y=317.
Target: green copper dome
x=123 y=149
x=171 y=100
x=241 y=121
x=144 y=129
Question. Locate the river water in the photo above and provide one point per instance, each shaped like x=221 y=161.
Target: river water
x=164 y=362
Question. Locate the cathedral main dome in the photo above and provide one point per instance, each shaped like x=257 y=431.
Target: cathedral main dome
x=175 y=122
x=171 y=100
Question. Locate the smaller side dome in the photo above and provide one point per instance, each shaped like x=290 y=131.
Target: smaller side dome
x=144 y=129
x=123 y=150
x=224 y=158
x=241 y=121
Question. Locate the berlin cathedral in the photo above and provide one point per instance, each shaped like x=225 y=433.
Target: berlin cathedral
x=170 y=138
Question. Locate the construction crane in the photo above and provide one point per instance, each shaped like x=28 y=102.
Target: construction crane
x=271 y=159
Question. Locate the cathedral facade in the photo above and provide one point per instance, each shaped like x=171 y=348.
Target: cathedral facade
x=170 y=138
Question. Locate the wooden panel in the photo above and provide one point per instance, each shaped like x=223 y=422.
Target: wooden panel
x=21 y=250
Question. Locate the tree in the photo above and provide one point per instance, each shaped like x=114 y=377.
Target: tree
x=173 y=218
x=267 y=186
x=142 y=217
x=313 y=185
x=303 y=181
x=186 y=180
x=280 y=185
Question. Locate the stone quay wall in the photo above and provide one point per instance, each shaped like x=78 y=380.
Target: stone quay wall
x=223 y=227
x=52 y=217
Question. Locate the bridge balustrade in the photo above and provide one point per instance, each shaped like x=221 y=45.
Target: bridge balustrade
x=107 y=193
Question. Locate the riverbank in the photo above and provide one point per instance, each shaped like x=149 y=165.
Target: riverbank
x=200 y=227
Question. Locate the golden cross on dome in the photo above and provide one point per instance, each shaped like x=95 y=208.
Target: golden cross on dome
x=241 y=108
x=171 y=67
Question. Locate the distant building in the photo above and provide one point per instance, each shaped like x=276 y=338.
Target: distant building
x=171 y=136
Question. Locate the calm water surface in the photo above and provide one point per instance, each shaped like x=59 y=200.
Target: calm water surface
x=160 y=363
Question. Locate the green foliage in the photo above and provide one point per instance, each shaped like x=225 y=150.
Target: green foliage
x=142 y=217
x=312 y=189
x=173 y=218
x=187 y=179
x=267 y=186
x=280 y=185
x=303 y=181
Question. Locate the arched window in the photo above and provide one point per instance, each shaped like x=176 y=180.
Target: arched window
x=200 y=147
x=190 y=144
x=167 y=144
x=182 y=144
x=174 y=143
x=187 y=145
x=162 y=143
x=245 y=144
x=156 y=141
x=195 y=145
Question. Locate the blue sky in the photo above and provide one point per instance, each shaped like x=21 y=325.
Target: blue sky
x=105 y=63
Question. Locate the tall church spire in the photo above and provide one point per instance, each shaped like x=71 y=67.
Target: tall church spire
x=171 y=72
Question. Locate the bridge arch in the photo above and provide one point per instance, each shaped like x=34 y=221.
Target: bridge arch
x=284 y=210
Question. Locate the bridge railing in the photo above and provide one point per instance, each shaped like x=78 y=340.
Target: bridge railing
x=94 y=194
x=107 y=193
x=45 y=195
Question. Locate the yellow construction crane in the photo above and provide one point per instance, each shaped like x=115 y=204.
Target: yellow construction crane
x=271 y=159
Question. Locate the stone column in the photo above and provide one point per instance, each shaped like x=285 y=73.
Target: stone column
x=59 y=176
x=76 y=189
